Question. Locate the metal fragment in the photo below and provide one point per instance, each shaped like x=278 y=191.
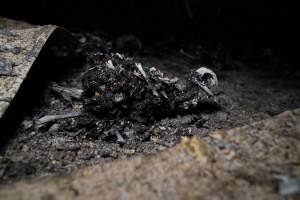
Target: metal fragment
x=50 y=118
x=141 y=70
x=67 y=92
x=120 y=138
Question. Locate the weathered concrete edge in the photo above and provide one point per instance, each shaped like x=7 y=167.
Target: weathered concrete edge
x=29 y=40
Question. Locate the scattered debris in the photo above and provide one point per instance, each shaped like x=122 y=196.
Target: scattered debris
x=120 y=138
x=50 y=118
x=67 y=93
x=140 y=68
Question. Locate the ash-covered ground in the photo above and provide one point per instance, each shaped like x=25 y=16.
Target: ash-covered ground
x=126 y=99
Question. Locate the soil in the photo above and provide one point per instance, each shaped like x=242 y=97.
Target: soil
x=91 y=114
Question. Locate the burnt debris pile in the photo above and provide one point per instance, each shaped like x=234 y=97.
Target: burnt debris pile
x=117 y=87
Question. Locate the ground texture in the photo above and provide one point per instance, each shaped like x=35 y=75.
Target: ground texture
x=257 y=161
x=254 y=84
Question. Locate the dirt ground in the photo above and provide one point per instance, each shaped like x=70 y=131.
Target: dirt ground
x=225 y=165
x=254 y=84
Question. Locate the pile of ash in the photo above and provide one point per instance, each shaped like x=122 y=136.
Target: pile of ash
x=116 y=87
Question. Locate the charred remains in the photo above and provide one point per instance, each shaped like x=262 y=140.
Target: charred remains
x=117 y=87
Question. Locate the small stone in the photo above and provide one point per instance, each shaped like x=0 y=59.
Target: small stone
x=153 y=138
x=129 y=151
x=25 y=148
x=219 y=134
x=162 y=128
x=53 y=128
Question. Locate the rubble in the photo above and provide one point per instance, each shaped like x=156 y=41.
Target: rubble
x=117 y=86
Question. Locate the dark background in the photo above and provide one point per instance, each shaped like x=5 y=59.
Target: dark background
x=265 y=23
